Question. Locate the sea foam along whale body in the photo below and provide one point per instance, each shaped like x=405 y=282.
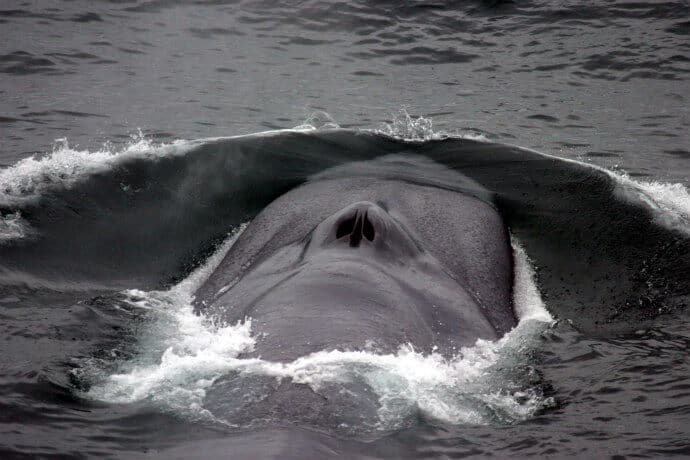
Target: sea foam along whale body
x=344 y=262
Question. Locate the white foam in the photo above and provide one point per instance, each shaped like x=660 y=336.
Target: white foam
x=318 y=120
x=405 y=127
x=13 y=227
x=527 y=301
x=179 y=349
x=408 y=128
x=670 y=203
x=30 y=177
x=182 y=354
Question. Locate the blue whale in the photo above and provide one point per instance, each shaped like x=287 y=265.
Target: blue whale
x=374 y=255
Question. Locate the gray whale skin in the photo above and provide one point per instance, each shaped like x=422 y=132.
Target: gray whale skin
x=355 y=263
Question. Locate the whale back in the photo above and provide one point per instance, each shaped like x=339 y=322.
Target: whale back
x=446 y=214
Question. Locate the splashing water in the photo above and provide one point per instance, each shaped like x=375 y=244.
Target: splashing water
x=408 y=128
x=670 y=203
x=31 y=177
x=13 y=227
x=318 y=120
x=182 y=355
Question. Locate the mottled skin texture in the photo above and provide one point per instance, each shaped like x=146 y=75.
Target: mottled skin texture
x=354 y=262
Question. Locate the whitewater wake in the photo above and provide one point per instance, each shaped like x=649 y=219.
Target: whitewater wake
x=182 y=354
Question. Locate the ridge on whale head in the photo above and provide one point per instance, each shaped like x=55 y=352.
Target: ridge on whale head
x=381 y=254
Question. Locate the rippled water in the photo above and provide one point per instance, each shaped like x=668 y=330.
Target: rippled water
x=602 y=82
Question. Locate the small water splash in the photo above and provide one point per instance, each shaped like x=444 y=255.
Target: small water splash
x=13 y=227
x=406 y=127
x=670 y=203
x=318 y=120
x=31 y=177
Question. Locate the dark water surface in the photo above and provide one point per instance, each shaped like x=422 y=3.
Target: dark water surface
x=605 y=83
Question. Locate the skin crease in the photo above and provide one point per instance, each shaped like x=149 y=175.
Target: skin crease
x=347 y=263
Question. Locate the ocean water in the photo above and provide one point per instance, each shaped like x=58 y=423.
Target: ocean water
x=137 y=139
